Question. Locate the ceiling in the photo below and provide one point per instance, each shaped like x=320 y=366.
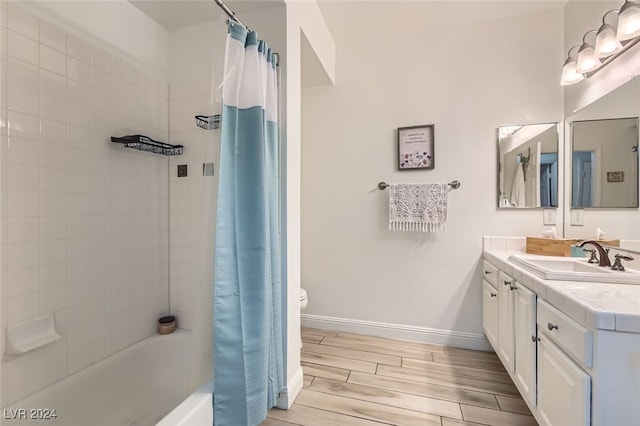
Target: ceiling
x=177 y=14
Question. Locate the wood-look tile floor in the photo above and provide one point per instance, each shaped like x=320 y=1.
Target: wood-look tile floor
x=351 y=379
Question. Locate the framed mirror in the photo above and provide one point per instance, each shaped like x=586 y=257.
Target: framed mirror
x=604 y=157
x=528 y=166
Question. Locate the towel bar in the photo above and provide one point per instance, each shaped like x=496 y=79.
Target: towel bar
x=455 y=184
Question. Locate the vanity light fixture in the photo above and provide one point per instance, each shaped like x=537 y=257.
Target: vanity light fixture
x=629 y=21
x=570 y=74
x=606 y=39
x=609 y=43
x=587 y=59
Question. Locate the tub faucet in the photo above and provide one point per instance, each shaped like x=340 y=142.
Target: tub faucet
x=602 y=252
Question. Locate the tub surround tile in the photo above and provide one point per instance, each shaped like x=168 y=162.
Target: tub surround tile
x=53 y=37
x=23 y=48
x=23 y=22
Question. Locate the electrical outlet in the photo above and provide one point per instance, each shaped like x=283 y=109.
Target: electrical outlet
x=577 y=217
x=549 y=217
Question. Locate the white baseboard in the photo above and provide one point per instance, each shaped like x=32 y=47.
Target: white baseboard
x=398 y=331
x=291 y=391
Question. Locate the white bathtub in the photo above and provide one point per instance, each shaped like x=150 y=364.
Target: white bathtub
x=197 y=410
x=136 y=387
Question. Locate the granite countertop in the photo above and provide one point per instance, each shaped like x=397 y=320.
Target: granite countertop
x=595 y=305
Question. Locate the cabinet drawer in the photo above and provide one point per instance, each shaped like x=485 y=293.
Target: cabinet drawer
x=565 y=332
x=490 y=273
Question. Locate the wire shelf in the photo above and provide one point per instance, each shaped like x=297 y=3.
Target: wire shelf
x=208 y=122
x=145 y=143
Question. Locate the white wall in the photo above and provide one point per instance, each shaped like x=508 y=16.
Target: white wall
x=84 y=222
x=401 y=64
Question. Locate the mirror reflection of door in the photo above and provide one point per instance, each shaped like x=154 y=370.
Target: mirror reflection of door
x=582 y=179
x=548 y=179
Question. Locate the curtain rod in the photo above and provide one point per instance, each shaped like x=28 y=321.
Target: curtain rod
x=230 y=13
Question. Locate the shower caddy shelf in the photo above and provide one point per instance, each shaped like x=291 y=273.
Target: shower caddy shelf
x=145 y=143
x=208 y=122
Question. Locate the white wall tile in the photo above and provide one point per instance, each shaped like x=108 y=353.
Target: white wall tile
x=79 y=71
x=53 y=203
x=79 y=205
x=53 y=132
x=78 y=115
x=22 y=73
x=120 y=339
x=53 y=252
x=21 y=308
x=52 y=108
x=53 y=299
x=20 y=256
x=78 y=293
x=78 y=160
x=23 y=22
x=23 y=48
x=100 y=348
x=23 y=151
x=53 y=60
x=78 y=316
x=22 y=281
x=53 y=156
x=22 y=178
x=23 y=125
x=22 y=99
x=78 y=48
x=79 y=182
x=21 y=203
x=53 y=37
x=53 y=228
x=79 y=93
x=101 y=59
x=23 y=229
x=79 y=358
x=53 y=84
x=79 y=226
x=54 y=275
x=53 y=180
x=79 y=249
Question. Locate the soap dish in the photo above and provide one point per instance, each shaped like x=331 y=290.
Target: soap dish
x=28 y=335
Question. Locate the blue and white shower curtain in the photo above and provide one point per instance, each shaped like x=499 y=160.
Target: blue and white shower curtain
x=248 y=370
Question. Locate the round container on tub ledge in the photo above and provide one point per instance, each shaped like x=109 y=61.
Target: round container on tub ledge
x=167 y=324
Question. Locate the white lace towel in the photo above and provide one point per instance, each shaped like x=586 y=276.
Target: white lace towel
x=418 y=207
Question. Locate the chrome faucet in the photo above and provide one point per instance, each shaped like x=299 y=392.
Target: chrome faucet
x=602 y=252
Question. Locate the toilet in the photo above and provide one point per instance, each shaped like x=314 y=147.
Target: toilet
x=303 y=299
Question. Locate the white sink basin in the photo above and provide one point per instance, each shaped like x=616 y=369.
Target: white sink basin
x=573 y=269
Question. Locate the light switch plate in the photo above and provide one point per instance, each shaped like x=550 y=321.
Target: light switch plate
x=577 y=217
x=182 y=170
x=549 y=217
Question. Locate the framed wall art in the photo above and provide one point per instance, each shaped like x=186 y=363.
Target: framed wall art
x=416 y=147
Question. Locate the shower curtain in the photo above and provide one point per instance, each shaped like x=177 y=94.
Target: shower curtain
x=248 y=370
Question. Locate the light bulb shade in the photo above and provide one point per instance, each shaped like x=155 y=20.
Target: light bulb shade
x=587 y=59
x=629 y=21
x=570 y=74
x=606 y=42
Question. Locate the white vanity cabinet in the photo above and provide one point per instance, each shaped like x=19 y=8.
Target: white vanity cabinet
x=490 y=303
x=506 y=330
x=564 y=389
x=525 y=343
x=574 y=362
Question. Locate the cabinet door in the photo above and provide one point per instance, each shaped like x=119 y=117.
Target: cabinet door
x=506 y=343
x=564 y=390
x=525 y=343
x=490 y=313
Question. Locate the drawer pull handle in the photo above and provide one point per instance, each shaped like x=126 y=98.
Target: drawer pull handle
x=513 y=287
x=552 y=326
x=535 y=339
x=487 y=272
x=493 y=294
x=507 y=282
